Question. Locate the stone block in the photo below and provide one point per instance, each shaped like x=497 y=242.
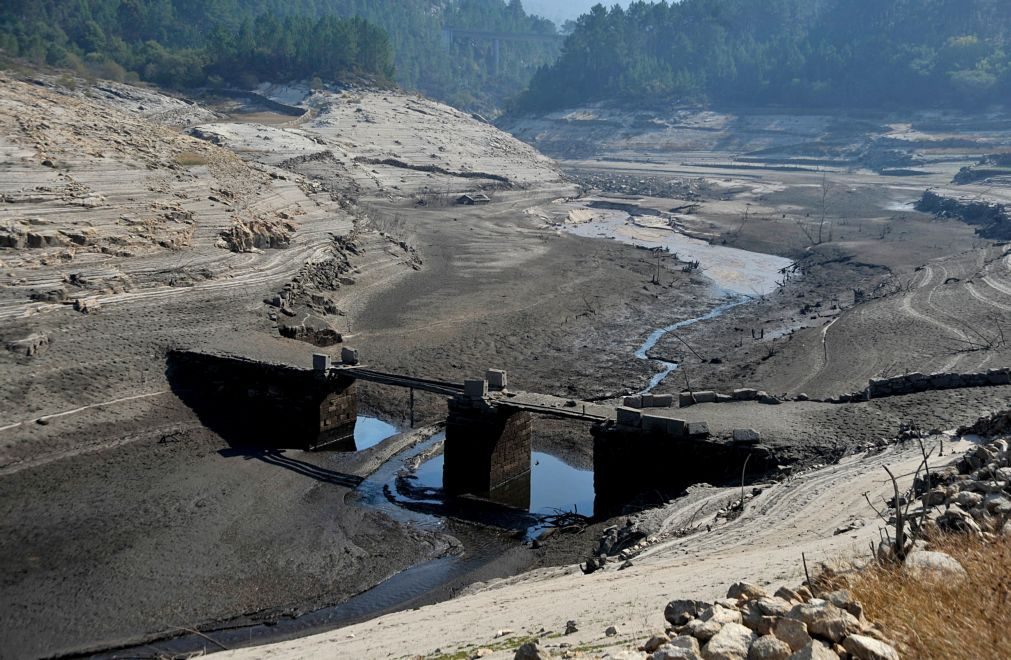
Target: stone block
x=349 y=356
x=632 y=402
x=320 y=362
x=698 y=430
x=629 y=417
x=685 y=399
x=475 y=388
x=747 y=436
x=497 y=379
x=745 y=394
x=705 y=397
x=663 y=400
x=676 y=427
x=654 y=424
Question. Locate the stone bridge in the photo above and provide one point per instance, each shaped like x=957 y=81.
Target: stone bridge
x=638 y=447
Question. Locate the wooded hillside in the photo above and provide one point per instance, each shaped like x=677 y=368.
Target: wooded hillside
x=869 y=53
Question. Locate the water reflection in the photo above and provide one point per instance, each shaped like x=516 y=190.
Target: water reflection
x=370 y=431
x=552 y=485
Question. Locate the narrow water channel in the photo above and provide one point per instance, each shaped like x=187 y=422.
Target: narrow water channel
x=737 y=275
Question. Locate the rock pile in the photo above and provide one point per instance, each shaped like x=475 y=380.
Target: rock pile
x=973 y=495
x=994 y=425
x=750 y=624
x=257 y=234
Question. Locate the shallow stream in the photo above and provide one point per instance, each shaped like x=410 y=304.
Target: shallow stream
x=738 y=275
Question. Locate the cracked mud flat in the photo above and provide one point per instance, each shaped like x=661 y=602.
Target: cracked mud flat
x=120 y=489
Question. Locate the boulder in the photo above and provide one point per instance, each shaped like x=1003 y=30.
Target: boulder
x=935 y=497
x=686 y=643
x=669 y=652
x=677 y=648
x=769 y=648
x=721 y=615
x=774 y=606
x=814 y=651
x=927 y=564
x=655 y=642
x=788 y=594
x=680 y=612
x=957 y=520
x=968 y=500
x=751 y=616
x=732 y=643
x=868 y=648
x=996 y=504
x=825 y=619
x=702 y=630
x=743 y=589
x=835 y=628
x=792 y=632
x=843 y=599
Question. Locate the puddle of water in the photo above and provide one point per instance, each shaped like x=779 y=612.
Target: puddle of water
x=736 y=271
x=554 y=484
x=370 y=431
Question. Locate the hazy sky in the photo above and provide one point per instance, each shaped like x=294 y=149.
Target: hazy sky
x=561 y=10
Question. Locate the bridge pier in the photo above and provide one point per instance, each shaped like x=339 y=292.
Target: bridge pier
x=338 y=414
x=487 y=450
x=646 y=454
x=257 y=404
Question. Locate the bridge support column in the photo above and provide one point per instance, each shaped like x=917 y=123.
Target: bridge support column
x=338 y=414
x=487 y=451
x=258 y=404
x=646 y=456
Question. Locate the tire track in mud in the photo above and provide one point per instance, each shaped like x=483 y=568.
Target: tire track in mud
x=812 y=505
x=986 y=301
x=907 y=307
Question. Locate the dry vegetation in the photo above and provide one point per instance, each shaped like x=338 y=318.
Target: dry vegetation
x=945 y=618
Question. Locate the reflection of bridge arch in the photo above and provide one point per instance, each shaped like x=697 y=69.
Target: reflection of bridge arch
x=451 y=34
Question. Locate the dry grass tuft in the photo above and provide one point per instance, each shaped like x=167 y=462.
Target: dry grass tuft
x=945 y=619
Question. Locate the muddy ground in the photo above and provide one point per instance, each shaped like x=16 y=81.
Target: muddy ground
x=123 y=517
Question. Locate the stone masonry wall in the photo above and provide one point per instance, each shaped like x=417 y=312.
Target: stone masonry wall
x=485 y=447
x=252 y=403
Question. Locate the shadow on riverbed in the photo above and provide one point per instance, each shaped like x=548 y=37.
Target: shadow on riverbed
x=280 y=459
